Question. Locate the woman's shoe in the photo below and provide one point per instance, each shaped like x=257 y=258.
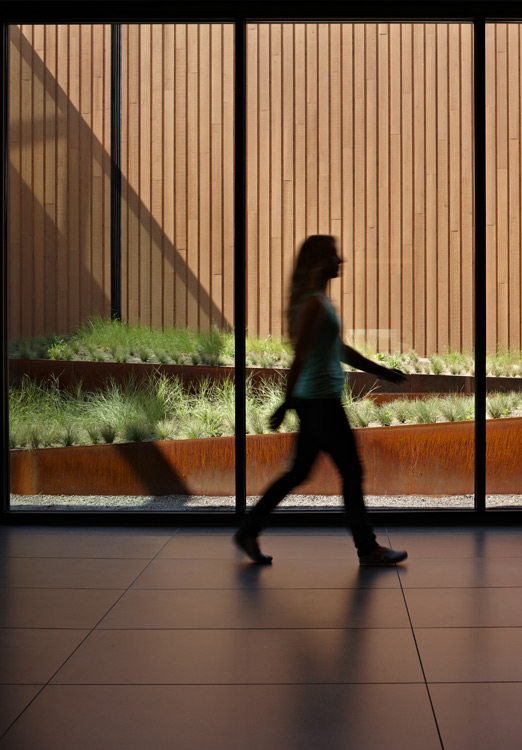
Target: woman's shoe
x=382 y=556
x=249 y=545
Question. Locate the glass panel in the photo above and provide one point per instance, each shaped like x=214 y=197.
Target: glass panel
x=365 y=132
x=503 y=262
x=152 y=426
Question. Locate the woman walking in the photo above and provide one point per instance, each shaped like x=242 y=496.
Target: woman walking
x=314 y=387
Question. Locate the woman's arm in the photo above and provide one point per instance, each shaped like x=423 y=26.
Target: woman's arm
x=311 y=317
x=353 y=358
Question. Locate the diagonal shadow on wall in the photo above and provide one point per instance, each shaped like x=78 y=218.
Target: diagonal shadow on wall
x=98 y=294
x=170 y=254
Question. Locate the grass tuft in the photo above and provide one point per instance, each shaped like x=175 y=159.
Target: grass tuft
x=108 y=432
x=453 y=408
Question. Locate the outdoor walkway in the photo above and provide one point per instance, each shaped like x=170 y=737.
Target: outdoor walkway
x=153 y=639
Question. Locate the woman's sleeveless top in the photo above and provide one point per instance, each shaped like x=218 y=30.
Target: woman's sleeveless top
x=322 y=375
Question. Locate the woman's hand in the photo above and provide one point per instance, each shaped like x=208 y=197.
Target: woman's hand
x=277 y=417
x=395 y=376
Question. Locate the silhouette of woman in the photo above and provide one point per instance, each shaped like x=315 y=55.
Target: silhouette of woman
x=314 y=387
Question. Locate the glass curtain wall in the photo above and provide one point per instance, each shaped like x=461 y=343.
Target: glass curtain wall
x=365 y=132
x=59 y=105
x=503 y=265
x=362 y=131
x=137 y=413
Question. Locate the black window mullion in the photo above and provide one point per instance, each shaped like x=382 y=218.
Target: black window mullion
x=4 y=56
x=479 y=28
x=240 y=263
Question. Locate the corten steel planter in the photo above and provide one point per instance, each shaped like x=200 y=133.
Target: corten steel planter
x=95 y=375
x=431 y=459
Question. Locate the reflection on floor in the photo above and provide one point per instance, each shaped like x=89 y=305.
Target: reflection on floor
x=167 y=638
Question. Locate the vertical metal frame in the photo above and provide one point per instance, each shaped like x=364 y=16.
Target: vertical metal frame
x=239 y=13
x=240 y=262
x=479 y=104
x=4 y=55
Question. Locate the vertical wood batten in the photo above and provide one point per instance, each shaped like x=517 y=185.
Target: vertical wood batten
x=407 y=248
x=514 y=254
x=263 y=172
x=179 y=250
x=157 y=215
x=192 y=174
x=252 y=172
x=99 y=300
x=467 y=192
x=419 y=195
x=228 y=176
x=502 y=218
x=455 y=214
x=395 y=77
x=50 y=178
x=167 y=156
x=347 y=186
x=371 y=181
x=276 y=181
x=491 y=192
x=14 y=183
x=38 y=192
x=216 y=175
x=124 y=172
x=62 y=180
x=202 y=271
x=26 y=290
x=383 y=187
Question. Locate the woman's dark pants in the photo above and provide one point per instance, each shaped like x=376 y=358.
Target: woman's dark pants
x=323 y=427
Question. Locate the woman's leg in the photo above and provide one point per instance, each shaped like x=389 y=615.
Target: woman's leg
x=306 y=453
x=337 y=439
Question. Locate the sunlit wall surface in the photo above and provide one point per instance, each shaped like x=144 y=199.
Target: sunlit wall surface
x=504 y=268
x=365 y=132
x=147 y=439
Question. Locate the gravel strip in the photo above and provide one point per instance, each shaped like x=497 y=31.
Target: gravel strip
x=202 y=503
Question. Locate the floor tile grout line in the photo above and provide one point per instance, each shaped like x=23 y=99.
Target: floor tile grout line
x=277 y=627
x=223 y=684
x=226 y=684
x=205 y=588
x=264 y=588
x=42 y=688
x=418 y=654
x=422 y=670
x=82 y=557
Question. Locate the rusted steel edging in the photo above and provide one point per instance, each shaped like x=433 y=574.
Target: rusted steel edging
x=95 y=375
x=432 y=459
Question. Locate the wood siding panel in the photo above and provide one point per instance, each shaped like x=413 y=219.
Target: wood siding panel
x=179 y=160
x=363 y=131
x=503 y=180
x=58 y=256
x=376 y=149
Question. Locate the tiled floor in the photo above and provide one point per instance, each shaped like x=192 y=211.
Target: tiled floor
x=152 y=639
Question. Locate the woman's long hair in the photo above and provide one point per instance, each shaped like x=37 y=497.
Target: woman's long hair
x=307 y=276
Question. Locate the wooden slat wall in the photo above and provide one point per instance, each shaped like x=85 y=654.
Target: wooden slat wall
x=59 y=176
x=363 y=131
x=503 y=213
x=177 y=165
